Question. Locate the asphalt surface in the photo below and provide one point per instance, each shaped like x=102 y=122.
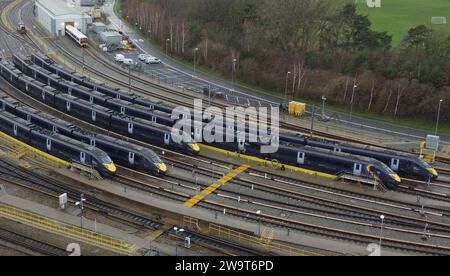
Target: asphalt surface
x=147 y=47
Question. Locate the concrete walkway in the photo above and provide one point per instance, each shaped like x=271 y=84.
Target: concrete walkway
x=64 y=217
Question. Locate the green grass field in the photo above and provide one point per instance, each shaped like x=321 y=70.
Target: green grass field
x=397 y=16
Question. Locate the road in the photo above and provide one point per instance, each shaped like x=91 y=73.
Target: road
x=144 y=45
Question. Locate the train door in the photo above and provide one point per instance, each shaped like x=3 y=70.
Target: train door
x=49 y=144
x=82 y=157
x=357 y=169
x=300 y=158
x=68 y=106
x=337 y=149
x=94 y=115
x=43 y=95
x=167 y=139
x=55 y=129
x=131 y=156
x=15 y=130
x=122 y=110
x=241 y=145
x=28 y=118
x=395 y=164
x=69 y=91
x=91 y=99
x=130 y=128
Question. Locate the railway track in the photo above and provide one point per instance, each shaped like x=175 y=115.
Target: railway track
x=31 y=180
x=33 y=245
x=329 y=232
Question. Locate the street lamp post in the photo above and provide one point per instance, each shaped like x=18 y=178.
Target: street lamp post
x=195 y=60
x=177 y=230
x=438 y=115
x=355 y=86
x=81 y=204
x=286 y=88
x=167 y=46
x=324 y=99
x=381 y=230
x=233 y=72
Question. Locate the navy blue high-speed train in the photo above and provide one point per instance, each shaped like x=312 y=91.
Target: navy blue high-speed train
x=48 y=64
x=95 y=97
x=405 y=165
x=322 y=160
x=136 y=128
x=122 y=152
x=57 y=145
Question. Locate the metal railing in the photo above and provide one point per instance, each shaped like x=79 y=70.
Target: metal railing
x=70 y=231
x=264 y=242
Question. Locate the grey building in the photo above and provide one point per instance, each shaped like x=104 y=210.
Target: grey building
x=54 y=15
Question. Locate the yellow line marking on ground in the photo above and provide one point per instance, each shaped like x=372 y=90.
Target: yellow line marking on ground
x=211 y=189
x=27 y=148
x=269 y=163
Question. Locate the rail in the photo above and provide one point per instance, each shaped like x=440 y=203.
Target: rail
x=70 y=231
x=265 y=241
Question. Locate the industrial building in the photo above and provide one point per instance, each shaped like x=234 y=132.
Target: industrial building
x=54 y=15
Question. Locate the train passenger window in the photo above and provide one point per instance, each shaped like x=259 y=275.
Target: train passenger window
x=301 y=158
x=131 y=158
x=82 y=157
x=166 y=139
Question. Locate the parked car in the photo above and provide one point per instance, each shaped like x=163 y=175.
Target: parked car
x=143 y=57
x=119 y=58
x=152 y=60
x=128 y=61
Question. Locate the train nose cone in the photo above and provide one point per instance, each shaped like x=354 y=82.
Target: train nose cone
x=162 y=167
x=396 y=177
x=195 y=147
x=111 y=167
x=433 y=172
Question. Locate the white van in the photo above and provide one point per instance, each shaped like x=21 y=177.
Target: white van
x=119 y=58
x=128 y=61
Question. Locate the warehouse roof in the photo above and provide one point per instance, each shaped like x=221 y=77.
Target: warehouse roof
x=59 y=7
